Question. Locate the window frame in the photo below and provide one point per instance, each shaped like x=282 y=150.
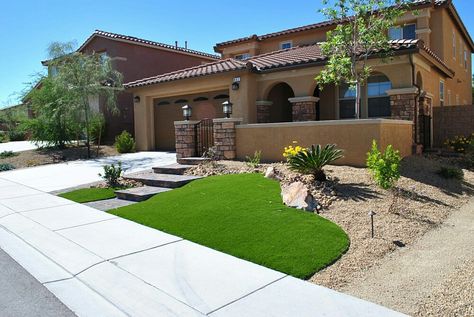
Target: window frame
x=383 y=95
x=402 y=33
x=454 y=45
x=286 y=42
x=244 y=57
x=466 y=61
x=442 y=92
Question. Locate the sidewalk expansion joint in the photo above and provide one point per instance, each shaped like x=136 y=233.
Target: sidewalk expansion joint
x=84 y=224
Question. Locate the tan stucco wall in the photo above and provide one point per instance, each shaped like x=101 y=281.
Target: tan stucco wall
x=353 y=136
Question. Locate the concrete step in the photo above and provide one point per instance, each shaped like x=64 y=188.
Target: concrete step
x=175 y=169
x=139 y=193
x=193 y=160
x=150 y=178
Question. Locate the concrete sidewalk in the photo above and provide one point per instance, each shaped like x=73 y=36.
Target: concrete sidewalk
x=101 y=265
x=18 y=146
x=53 y=177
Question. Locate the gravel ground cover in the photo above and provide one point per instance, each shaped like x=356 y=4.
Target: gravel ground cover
x=39 y=157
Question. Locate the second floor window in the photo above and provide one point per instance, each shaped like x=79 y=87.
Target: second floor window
x=454 y=45
x=406 y=32
x=441 y=93
x=242 y=57
x=286 y=45
x=465 y=60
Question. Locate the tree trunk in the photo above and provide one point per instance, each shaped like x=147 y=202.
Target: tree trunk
x=86 y=119
x=357 y=101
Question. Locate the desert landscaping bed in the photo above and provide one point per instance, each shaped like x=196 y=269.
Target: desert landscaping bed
x=45 y=156
x=421 y=201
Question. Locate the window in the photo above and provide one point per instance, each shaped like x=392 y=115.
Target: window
x=441 y=93
x=53 y=71
x=346 y=102
x=457 y=100
x=449 y=98
x=286 y=45
x=242 y=56
x=407 y=32
x=454 y=45
x=466 y=62
x=103 y=57
x=378 y=100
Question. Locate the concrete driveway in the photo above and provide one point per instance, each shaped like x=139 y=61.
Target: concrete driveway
x=17 y=146
x=100 y=265
x=53 y=177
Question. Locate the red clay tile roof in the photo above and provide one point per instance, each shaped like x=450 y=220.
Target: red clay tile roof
x=417 y=3
x=220 y=66
x=265 y=62
x=137 y=40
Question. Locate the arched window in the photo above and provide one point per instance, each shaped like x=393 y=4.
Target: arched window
x=163 y=103
x=378 y=100
x=221 y=96
x=200 y=99
x=181 y=101
x=347 y=101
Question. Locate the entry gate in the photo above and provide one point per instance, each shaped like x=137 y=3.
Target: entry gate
x=205 y=136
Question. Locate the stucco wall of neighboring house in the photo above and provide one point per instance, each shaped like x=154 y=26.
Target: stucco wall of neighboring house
x=135 y=62
x=353 y=136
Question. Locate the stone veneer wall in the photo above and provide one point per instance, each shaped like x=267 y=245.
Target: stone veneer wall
x=263 y=111
x=304 y=108
x=224 y=137
x=185 y=136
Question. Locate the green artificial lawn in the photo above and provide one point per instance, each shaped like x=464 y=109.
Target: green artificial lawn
x=243 y=215
x=86 y=195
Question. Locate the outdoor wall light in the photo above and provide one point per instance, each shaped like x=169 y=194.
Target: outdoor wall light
x=227 y=108
x=235 y=85
x=136 y=99
x=187 y=112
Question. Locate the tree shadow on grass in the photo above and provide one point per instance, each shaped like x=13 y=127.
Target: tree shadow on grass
x=425 y=171
x=356 y=192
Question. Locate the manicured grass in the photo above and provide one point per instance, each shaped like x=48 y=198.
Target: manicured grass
x=243 y=215
x=86 y=195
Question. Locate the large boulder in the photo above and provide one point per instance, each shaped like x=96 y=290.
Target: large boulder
x=270 y=173
x=298 y=196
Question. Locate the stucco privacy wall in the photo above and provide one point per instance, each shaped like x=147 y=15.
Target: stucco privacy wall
x=353 y=136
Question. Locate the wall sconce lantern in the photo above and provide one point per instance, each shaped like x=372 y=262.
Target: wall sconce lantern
x=236 y=83
x=187 y=112
x=136 y=99
x=227 y=108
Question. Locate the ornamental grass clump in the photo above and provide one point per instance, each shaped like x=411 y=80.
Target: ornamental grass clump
x=311 y=160
x=385 y=167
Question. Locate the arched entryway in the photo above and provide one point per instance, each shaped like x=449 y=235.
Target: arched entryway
x=280 y=110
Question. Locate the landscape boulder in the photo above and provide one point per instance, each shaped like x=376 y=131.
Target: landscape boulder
x=297 y=195
x=270 y=173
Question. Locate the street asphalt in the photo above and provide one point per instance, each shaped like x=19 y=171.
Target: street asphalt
x=21 y=295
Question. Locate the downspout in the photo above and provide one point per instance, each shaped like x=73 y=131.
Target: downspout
x=417 y=99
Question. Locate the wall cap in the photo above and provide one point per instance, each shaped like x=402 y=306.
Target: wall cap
x=263 y=103
x=184 y=122
x=303 y=99
x=402 y=91
x=324 y=123
x=219 y=120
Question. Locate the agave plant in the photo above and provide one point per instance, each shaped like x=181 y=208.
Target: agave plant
x=314 y=159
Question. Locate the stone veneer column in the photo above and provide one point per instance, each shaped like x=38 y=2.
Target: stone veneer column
x=304 y=108
x=185 y=136
x=263 y=110
x=403 y=106
x=225 y=137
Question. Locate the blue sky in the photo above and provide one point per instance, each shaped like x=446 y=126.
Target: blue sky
x=28 y=26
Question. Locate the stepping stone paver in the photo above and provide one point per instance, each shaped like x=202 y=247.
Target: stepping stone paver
x=150 y=178
x=139 y=193
x=177 y=169
x=109 y=204
x=193 y=160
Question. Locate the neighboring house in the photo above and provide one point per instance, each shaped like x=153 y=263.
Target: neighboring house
x=135 y=58
x=270 y=79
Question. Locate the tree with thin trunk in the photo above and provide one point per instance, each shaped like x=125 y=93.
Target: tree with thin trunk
x=362 y=32
x=84 y=76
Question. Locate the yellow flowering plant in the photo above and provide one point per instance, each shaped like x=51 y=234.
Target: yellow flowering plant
x=460 y=143
x=292 y=150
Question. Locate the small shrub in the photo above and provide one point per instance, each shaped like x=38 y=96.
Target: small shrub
x=460 y=144
x=254 y=161
x=124 y=143
x=6 y=167
x=451 y=173
x=16 y=135
x=6 y=154
x=312 y=160
x=385 y=167
x=3 y=137
x=211 y=153
x=112 y=174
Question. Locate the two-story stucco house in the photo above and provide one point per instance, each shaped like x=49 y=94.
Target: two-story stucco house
x=270 y=81
x=136 y=58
